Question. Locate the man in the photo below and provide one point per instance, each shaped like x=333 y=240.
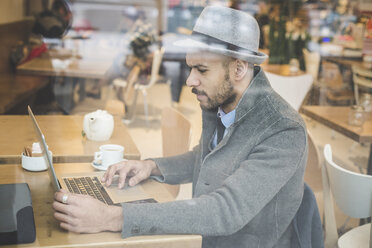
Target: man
x=247 y=179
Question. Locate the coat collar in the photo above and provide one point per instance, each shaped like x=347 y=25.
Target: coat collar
x=258 y=87
x=256 y=90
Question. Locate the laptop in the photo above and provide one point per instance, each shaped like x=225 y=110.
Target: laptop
x=88 y=183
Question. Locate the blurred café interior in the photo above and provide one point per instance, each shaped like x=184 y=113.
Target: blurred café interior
x=81 y=58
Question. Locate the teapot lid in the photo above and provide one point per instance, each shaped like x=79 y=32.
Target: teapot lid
x=99 y=113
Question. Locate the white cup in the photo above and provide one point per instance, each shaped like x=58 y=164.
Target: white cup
x=34 y=163
x=108 y=155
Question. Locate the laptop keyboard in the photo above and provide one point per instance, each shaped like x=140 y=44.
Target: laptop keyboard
x=88 y=186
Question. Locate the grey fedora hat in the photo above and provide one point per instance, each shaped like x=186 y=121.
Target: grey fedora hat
x=226 y=31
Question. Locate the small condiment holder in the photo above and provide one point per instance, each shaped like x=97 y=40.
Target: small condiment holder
x=32 y=159
x=35 y=163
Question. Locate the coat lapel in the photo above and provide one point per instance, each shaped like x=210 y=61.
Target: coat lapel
x=257 y=89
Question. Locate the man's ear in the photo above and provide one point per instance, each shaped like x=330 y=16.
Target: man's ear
x=241 y=69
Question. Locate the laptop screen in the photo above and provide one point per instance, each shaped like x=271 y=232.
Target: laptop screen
x=45 y=151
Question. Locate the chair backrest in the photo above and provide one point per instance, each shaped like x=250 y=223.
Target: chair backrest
x=176 y=135
x=316 y=177
x=176 y=132
x=293 y=88
x=361 y=77
x=312 y=61
x=329 y=221
x=331 y=75
x=351 y=191
x=155 y=67
x=313 y=173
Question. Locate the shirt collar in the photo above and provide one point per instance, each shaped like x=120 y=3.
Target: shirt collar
x=226 y=119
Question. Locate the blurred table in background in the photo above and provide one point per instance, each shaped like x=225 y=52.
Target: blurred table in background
x=282 y=70
x=77 y=65
x=63 y=134
x=337 y=119
x=62 y=63
x=348 y=62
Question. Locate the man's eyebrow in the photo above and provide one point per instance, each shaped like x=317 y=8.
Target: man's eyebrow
x=198 y=66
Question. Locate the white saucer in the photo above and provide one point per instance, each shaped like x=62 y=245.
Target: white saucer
x=100 y=167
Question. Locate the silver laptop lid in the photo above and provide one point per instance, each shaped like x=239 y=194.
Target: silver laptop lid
x=45 y=151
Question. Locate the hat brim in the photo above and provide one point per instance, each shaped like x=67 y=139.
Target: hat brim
x=192 y=45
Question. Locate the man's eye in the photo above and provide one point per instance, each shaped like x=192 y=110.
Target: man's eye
x=202 y=71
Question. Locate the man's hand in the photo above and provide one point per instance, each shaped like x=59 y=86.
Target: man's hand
x=84 y=214
x=136 y=169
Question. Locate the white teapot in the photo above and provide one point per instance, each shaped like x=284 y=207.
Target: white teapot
x=98 y=125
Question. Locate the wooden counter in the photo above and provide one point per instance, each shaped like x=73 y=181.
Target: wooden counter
x=63 y=134
x=48 y=232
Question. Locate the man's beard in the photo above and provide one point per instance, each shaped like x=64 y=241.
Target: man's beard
x=224 y=96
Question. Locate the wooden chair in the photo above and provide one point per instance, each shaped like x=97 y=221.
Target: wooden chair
x=316 y=178
x=362 y=78
x=133 y=86
x=337 y=92
x=353 y=194
x=176 y=135
x=292 y=88
x=313 y=173
x=126 y=92
x=312 y=62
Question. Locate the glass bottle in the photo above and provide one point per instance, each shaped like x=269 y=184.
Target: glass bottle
x=356 y=115
x=366 y=102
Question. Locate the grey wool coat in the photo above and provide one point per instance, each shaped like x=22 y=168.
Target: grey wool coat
x=247 y=190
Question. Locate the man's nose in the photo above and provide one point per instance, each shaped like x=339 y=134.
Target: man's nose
x=192 y=80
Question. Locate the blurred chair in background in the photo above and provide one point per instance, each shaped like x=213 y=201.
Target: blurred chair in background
x=353 y=195
x=312 y=62
x=127 y=93
x=128 y=89
x=113 y=105
x=362 y=79
x=337 y=91
x=313 y=173
x=292 y=88
x=176 y=136
x=316 y=177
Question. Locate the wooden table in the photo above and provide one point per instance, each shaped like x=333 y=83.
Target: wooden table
x=337 y=118
x=72 y=69
x=348 y=62
x=64 y=64
x=63 y=134
x=48 y=232
x=282 y=70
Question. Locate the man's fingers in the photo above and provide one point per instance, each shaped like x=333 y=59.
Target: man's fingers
x=123 y=174
x=58 y=196
x=137 y=178
x=111 y=171
x=70 y=198
x=104 y=177
x=65 y=218
x=68 y=227
x=63 y=208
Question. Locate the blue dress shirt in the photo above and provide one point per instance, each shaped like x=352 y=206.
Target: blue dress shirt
x=227 y=120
